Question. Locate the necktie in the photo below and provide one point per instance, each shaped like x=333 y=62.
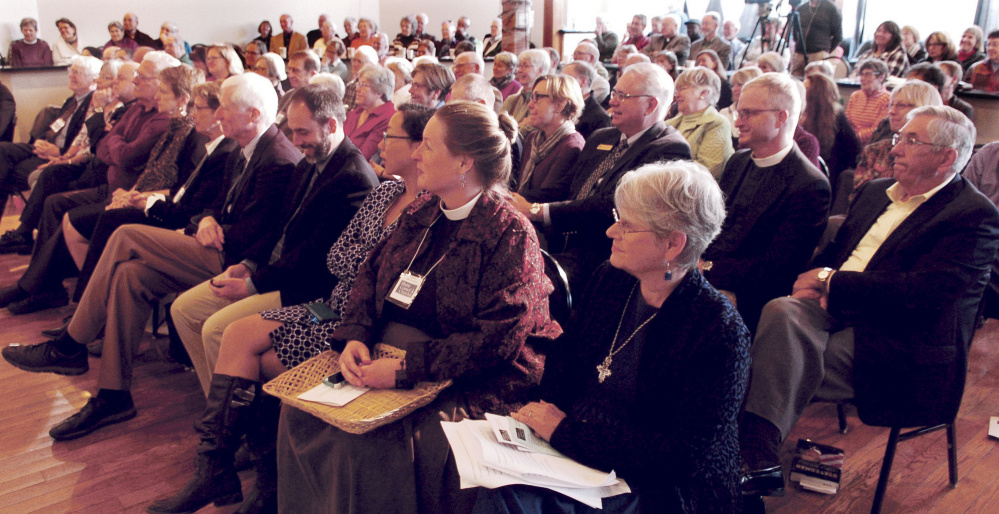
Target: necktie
x=602 y=169
x=237 y=186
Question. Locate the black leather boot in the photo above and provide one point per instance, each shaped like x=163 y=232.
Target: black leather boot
x=262 y=441
x=230 y=409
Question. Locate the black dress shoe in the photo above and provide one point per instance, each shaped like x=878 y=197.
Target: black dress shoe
x=95 y=414
x=40 y=302
x=45 y=357
x=55 y=332
x=13 y=241
x=762 y=482
x=9 y=295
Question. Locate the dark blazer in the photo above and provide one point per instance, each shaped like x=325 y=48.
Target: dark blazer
x=593 y=118
x=690 y=381
x=547 y=172
x=202 y=191
x=774 y=218
x=679 y=45
x=76 y=122
x=915 y=305
x=8 y=114
x=253 y=217
x=587 y=220
x=315 y=224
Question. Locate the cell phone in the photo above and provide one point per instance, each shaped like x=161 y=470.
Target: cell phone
x=319 y=312
x=335 y=380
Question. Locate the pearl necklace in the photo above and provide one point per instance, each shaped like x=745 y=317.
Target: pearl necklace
x=603 y=370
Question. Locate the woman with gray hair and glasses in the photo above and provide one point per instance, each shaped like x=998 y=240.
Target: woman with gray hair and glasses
x=655 y=366
x=709 y=133
x=370 y=118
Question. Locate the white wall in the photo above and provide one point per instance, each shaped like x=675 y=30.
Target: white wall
x=10 y=21
x=481 y=12
x=237 y=20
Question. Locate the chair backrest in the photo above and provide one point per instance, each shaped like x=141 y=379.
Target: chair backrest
x=44 y=118
x=560 y=301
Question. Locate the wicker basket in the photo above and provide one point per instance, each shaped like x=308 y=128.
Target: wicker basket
x=371 y=410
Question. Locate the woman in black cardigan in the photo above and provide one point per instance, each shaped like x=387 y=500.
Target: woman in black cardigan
x=649 y=380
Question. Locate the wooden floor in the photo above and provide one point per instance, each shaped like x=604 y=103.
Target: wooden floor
x=124 y=467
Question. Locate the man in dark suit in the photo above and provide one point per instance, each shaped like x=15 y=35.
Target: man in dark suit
x=670 y=39
x=17 y=160
x=593 y=117
x=336 y=179
x=638 y=137
x=776 y=202
x=142 y=262
x=888 y=316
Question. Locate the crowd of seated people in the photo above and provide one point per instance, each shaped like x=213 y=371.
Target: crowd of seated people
x=684 y=205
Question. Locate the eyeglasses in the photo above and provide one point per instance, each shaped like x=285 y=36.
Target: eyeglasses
x=869 y=74
x=386 y=137
x=418 y=85
x=898 y=139
x=750 y=113
x=624 y=224
x=901 y=105
x=936 y=44
x=537 y=97
x=619 y=96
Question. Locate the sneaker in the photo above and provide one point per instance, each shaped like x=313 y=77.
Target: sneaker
x=9 y=295
x=45 y=357
x=95 y=414
x=40 y=302
x=14 y=241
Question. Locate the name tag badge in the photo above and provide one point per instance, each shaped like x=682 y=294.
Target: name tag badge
x=57 y=125
x=405 y=289
x=605 y=148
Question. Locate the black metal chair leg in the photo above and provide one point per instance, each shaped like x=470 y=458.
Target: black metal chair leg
x=952 y=453
x=841 y=414
x=879 y=493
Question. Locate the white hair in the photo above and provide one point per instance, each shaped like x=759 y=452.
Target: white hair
x=951 y=128
x=251 y=91
x=653 y=80
x=90 y=66
x=368 y=53
x=473 y=88
x=538 y=58
x=330 y=80
x=160 y=60
x=475 y=59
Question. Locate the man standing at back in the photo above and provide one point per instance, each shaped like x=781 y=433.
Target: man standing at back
x=142 y=262
x=638 y=137
x=288 y=42
x=822 y=27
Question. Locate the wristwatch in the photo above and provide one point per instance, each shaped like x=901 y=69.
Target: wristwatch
x=823 y=277
x=535 y=212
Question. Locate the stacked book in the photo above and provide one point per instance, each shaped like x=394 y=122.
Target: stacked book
x=817 y=467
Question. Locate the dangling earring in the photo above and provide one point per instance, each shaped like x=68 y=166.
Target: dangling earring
x=669 y=272
x=463 y=180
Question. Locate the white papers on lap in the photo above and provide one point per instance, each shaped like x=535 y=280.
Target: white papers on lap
x=518 y=435
x=483 y=462
x=334 y=396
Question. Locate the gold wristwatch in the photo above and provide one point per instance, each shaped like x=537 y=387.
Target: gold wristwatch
x=536 y=212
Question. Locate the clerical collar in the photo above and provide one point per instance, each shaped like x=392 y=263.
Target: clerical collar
x=766 y=162
x=461 y=212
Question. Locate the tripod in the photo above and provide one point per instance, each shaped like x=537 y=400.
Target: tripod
x=793 y=27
